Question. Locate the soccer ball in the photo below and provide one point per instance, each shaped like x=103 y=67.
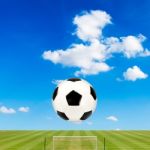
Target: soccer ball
x=74 y=100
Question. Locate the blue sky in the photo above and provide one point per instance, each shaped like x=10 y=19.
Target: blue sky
x=30 y=28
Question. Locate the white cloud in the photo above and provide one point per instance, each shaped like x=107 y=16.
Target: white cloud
x=145 y=53
x=112 y=118
x=132 y=46
x=94 y=68
x=134 y=73
x=90 y=56
x=5 y=110
x=90 y=25
x=56 y=82
x=24 y=109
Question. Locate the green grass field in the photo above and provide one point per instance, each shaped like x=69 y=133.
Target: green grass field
x=34 y=140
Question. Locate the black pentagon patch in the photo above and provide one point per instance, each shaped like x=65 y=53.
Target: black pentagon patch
x=93 y=93
x=55 y=93
x=74 y=79
x=86 y=115
x=73 y=98
x=62 y=115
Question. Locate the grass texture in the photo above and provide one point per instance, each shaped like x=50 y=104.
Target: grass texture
x=43 y=140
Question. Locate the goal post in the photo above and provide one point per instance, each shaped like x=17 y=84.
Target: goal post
x=75 y=142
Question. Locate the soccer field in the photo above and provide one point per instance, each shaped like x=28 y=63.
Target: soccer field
x=43 y=140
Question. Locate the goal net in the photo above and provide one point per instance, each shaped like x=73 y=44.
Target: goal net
x=74 y=142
